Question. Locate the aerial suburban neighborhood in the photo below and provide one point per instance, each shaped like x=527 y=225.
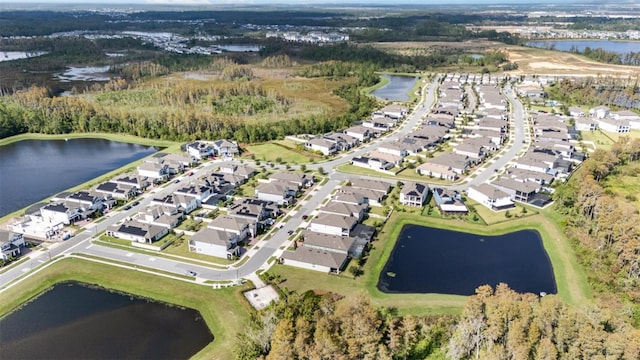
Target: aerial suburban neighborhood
x=340 y=181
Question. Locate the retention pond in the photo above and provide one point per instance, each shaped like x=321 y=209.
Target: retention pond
x=430 y=260
x=74 y=321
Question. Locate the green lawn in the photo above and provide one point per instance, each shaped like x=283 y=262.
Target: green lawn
x=600 y=139
x=270 y=152
x=225 y=311
x=180 y=247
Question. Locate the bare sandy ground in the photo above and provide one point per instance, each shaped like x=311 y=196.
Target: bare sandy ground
x=530 y=60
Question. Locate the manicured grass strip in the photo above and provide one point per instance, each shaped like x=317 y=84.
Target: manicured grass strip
x=271 y=152
x=224 y=310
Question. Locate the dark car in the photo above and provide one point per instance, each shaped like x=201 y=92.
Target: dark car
x=127 y=207
x=290 y=232
x=135 y=203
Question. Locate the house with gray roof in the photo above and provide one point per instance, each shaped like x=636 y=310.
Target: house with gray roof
x=449 y=201
x=235 y=225
x=490 y=196
x=519 y=190
x=315 y=259
x=280 y=192
x=216 y=243
x=333 y=224
x=11 y=244
x=226 y=148
x=344 y=209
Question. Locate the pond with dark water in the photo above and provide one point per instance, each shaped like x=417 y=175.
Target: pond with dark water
x=430 y=260
x=74 y=321
x=397 y=89
x=32 y=170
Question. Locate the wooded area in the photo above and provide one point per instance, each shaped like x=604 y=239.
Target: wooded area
x=603 y=225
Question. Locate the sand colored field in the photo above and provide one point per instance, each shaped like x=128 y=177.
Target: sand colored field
x=531 y=61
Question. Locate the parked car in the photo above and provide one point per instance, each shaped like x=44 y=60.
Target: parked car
x=190 y=273
x=127 y=207
x=135 y=203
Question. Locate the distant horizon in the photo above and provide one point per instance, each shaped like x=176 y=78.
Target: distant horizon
x=310 y=2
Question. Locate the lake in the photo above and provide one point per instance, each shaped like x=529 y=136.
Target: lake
x=32 y=170
x=621 y=47
x=73 y=321
x=429 y=260
x=397 y=89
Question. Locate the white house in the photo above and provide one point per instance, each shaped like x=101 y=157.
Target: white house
x=393 y=148
x=359 y=132
x=599 y=112
x=333 y=224
x=243 y=228
x=279 y=192
x=614 y=125
x=154 y=170
x=490 y=196
x=136 y=231
x=214 y=242
x=200 y=150
x=585 y=124
x=226 y=148
x=322 y=145
x=437 y=171
x=11 y=244
x=413 y=193
x=61 y=212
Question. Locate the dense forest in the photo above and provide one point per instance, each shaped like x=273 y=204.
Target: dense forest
x=602 y=223
x=495 y=324
x=595 y=91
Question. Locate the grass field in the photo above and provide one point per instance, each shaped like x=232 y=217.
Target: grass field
x=225 y=311
x=271 y=152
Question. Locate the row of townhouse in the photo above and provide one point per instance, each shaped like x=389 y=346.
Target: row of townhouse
x=380 y=122
x=335 y=234
x=479 y=139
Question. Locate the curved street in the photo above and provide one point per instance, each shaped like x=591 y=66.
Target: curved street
x=263 y=250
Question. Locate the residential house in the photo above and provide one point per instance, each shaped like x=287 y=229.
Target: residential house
x=346 y=245
x=490 y=196
x=437 y=171
x=315 y=259
x=198 y=189
x=11 y=244
x=299 y=179
x=518 y=190
x=322 y=145
x=153 y=170
x=394 y=111
x=117 y=191
x=63 y=212
x=576 y=111
x=133 y=230
x=359 y=132
x=413 y=194
x=140 y=183
x=200 y=150
x=376 y=185
x=393 y=148
x=160 y=215
x=599 y=112
x=371 y=196
x=449 y=201
x=333 y=224
x=614 y=126
x=243 y=171
x=344 y=209
x=385 y=158
x=216 y=243
x=472 y=150
x=243 y=228
x=280 y=192
x=181 y=159
x=528 y=175
x=456 y=162
x=226 y=148
x=585 y=124
x=628 y=115
x=372 y=163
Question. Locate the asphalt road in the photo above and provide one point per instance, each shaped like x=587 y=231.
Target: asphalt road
x=81 y=243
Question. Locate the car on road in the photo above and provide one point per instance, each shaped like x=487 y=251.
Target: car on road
x=191 y=173
x=177 y=181
x=290 y=232
x=135 y=203
x=190 y=273
x=305 y=217
x=127 y=207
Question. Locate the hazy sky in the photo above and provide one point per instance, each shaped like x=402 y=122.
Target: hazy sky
x=294 y=2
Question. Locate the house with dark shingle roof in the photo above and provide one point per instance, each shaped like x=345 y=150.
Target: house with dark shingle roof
x=413 y=193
